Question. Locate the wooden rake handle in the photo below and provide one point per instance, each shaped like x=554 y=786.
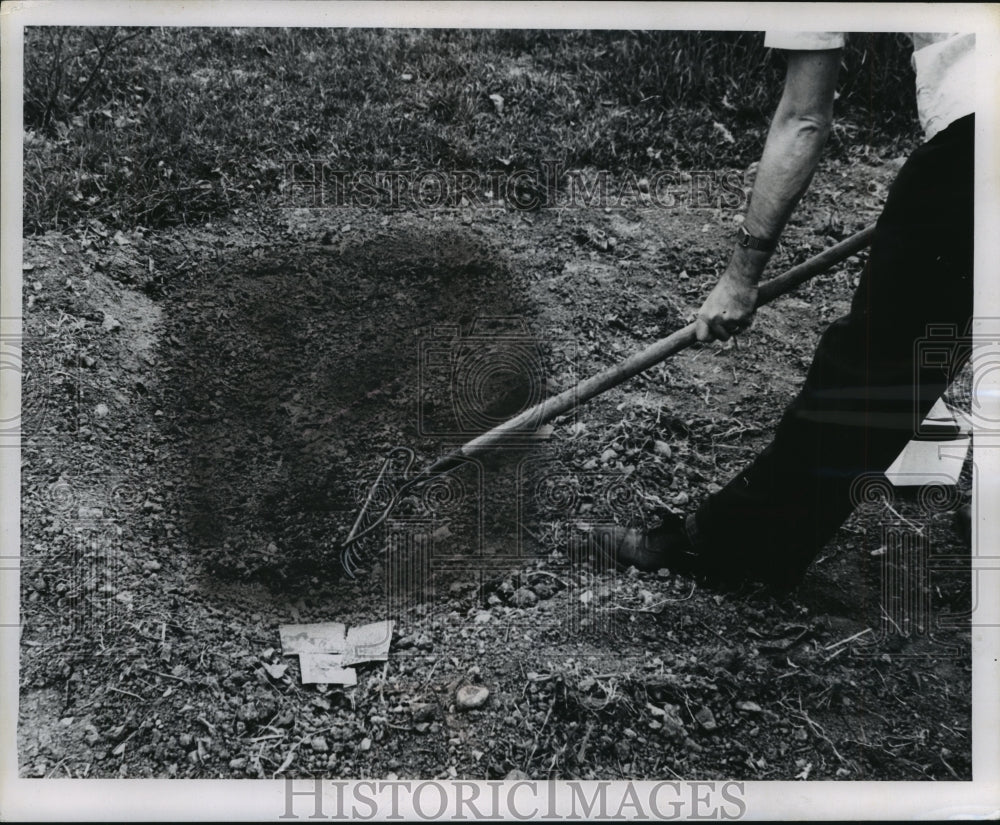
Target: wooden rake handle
x=573 y=397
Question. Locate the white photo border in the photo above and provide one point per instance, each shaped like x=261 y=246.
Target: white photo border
x=116 y=799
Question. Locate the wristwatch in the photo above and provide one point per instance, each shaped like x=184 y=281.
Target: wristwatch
x=748 y=241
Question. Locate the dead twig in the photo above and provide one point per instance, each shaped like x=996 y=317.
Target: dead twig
x=288 y=758
x=709 y=629
x=656 y=608
x=888 y=618
x=819 y=732
x=916 y=528
x=427 y=680
x=538 y=735
x=857 y=635
x=555 y=758
x=951 y=770
x=581 y=753
x=268 y=736
x=180 y=679
x=127 y=693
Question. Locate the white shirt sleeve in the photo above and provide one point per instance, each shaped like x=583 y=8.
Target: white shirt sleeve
x=804 y=41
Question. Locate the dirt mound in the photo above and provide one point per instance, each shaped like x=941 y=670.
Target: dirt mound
x=295 y=372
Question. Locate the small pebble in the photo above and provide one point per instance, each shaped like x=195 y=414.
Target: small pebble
x=248 y=712
x=705 y=718
x=470 y=697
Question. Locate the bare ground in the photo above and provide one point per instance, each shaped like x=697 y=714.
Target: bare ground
x=203 y=408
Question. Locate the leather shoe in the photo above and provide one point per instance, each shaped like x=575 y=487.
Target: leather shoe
x=665 y=546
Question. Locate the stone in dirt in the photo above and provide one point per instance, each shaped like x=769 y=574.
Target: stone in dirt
x=661 y=448
x=706 y=719
x=470 y=697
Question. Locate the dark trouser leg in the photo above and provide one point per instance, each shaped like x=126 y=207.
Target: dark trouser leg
x=864 y=391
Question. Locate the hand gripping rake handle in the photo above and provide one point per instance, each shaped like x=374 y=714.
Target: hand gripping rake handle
x=573 y=397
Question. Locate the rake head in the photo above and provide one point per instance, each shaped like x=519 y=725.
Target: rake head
x=392 y=481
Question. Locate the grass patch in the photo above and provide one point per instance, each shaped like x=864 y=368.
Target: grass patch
x=157 y=127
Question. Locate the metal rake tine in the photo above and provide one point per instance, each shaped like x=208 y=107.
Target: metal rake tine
x=410 y=455
x=347 y=562
x=439 y=468
x=347 y=558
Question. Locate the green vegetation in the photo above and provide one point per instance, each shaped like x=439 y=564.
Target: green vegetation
x=155 y=127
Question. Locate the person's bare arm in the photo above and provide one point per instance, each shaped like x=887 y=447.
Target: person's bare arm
x=798 y=132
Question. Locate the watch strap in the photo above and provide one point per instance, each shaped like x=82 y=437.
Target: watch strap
x=748 y=241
